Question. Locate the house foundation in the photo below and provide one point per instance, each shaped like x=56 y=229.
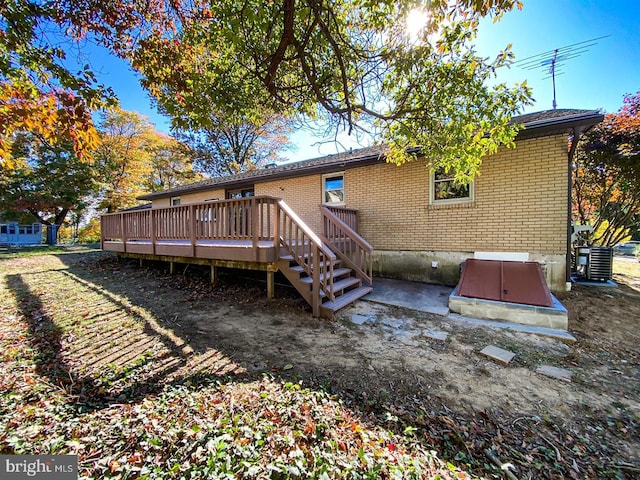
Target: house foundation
x=444 y=267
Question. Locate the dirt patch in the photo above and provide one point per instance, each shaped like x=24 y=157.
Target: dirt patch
x=392 y=353
x=398 y=366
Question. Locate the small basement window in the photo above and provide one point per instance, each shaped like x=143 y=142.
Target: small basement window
x=333 y=189
x=444 y=189
x=175 y=201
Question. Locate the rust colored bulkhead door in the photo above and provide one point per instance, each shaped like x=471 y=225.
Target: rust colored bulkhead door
x=505 y=281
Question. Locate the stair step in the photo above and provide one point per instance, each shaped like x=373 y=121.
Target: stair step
x=346 y=299
x=337 y=273
x=290 y=258
x=298 y=268
x=345 y=283
x=341 y=285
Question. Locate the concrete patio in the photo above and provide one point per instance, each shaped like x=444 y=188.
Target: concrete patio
x=423 y=297
x=434 y=299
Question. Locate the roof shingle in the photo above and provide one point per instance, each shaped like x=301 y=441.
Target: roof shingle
x=536 y=124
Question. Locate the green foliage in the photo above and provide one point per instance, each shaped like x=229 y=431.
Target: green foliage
x=350 y=64
x=45 y=181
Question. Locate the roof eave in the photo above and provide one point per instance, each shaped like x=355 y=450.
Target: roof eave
x=268 y=175
x=563 y=124
x=533 y=129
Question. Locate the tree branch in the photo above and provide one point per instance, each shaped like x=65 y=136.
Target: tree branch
x=286 y=40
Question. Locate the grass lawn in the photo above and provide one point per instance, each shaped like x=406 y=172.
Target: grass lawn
x=629 y=267
x=13 y=252
x=143 y=374
x=84 y=371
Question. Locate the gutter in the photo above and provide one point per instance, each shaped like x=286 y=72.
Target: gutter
x=275 y=173
x=531 y=129
x=541 y=127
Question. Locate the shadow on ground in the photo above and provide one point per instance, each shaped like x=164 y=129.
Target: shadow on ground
x=109 y=332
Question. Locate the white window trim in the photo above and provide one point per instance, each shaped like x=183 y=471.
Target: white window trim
x=449 y=201
x=171 y=201
x=344 y=193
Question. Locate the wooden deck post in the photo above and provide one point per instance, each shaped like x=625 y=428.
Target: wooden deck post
x=123 y=230
x=214 y=274
x=276 y=229
x=152 y=227
x=172 y=268
x=254 y=227
x=192 y=228
x=315 y=288
x=271 y=284
x=103 y=221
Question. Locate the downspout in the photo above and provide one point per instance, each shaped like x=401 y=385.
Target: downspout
x=577 y=133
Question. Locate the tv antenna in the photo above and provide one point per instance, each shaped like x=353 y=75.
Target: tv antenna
x=552 y=61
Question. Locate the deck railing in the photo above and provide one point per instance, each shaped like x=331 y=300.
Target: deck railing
x=111 y=226
x=254 y=219
x=349 y=216
x=308 y=251
x=137 y=224
x=354 y=250
x=238 y=219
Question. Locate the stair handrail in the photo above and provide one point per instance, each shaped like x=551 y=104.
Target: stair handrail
x=336 y=233
x=313 y=256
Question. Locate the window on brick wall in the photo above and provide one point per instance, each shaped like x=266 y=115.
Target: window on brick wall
x=444 y=190
x=240 y=193
x=333 y=189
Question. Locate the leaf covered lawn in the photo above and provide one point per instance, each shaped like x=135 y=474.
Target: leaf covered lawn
x=86 y=372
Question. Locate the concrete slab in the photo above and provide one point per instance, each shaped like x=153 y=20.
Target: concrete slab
x=423 y=297
x=361 y=319
x=561 y=335
x=393 y=322
x=406 y=338
x=555 y=372
x=434 y=299
x=590 y=283
x=555 y=317
x=498 y=354
x=435 y=334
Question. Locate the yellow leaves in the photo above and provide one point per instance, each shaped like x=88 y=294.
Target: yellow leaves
x=56 y=116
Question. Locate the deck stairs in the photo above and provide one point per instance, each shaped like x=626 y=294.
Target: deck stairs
x=347 y=287
x=330 y=269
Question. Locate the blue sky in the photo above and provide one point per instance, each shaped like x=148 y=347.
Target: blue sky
x=600 y=76
x=596 y=79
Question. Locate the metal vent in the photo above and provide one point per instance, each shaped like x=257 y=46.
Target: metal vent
x=600 y=263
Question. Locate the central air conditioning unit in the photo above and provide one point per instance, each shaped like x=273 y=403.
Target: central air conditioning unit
x=594 y=263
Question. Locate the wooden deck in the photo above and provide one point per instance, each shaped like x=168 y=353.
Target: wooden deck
x=235 y=250
x=261 y=233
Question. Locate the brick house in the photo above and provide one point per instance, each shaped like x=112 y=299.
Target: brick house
x=411 y=217
x=418 y=224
